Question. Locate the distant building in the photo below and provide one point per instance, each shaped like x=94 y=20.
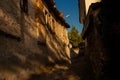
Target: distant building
x=88 y=3
x=84 y=7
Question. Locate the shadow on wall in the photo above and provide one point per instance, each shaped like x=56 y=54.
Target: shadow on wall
x=18 y=59
x=15 y=58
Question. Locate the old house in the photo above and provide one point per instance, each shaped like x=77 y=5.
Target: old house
x=101 y=22
x=33 y=36
x=54 y=22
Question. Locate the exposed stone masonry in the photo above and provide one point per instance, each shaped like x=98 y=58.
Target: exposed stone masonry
x=33 y=38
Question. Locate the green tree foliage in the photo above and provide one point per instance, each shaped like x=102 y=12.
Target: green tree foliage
x=74 y=37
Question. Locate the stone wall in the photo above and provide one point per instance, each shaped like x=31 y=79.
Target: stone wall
x=28 y=44
x=101 y=34
x=55 y=28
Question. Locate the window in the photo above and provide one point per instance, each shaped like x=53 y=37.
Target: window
x=53 y=23
x=24 y=6
x=46 y=17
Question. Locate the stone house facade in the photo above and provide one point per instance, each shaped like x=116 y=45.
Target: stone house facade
x=54 y=21
x=33 y=36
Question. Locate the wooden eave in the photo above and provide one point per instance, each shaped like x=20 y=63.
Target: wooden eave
x=56 y=12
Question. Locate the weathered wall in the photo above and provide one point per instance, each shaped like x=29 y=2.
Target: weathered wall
x=101 y=34
x=27 y=44
x=53 y=30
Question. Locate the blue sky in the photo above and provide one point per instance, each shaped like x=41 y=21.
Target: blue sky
x=70 y=11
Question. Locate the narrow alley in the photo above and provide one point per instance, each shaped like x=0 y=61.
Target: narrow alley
x=36 y=44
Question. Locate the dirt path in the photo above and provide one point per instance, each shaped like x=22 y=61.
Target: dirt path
x=78 y=70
